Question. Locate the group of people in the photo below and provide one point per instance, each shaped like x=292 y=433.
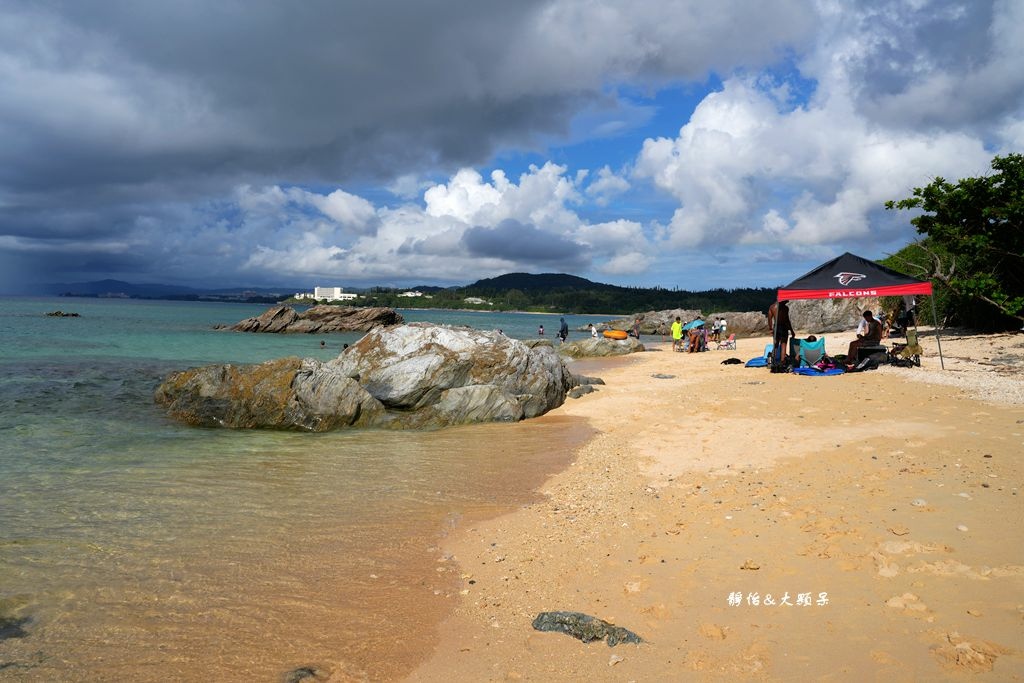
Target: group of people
x=870 y=330
x=696 y=337
x=563 y=331
x=718 y=329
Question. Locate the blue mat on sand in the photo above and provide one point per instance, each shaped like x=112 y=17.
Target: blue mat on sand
x=757 y=362
x=813 y=372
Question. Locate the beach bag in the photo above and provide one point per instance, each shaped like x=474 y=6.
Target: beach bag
x=871 y=362
x=825 y=363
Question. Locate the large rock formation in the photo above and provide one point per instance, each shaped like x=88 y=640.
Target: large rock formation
x=408 y=376
x=830 y=315
x=591 y=347
x=319 y=319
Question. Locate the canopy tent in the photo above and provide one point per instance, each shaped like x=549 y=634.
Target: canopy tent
x=850 y=276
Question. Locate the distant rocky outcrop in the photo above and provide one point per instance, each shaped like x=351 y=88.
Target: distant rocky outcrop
x=652 y=322
x=813 y=316
x=595 y=347
x=62 y=314
x=418 y=376
x=319 y=319
x=829 y=315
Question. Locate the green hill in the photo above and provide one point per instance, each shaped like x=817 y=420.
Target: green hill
x=527 y=282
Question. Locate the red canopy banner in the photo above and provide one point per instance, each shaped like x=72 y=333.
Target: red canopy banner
x=850 y=276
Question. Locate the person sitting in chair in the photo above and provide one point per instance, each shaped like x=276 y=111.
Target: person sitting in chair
x=871 y=337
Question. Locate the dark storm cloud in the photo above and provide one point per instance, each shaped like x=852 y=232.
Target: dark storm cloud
x=106 y=106
x=524 y=244
x=106 y=93
x=316 y=89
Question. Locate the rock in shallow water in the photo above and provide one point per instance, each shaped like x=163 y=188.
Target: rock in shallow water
x=408 y=376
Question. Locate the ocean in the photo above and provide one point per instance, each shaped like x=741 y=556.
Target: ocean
x=135 y=548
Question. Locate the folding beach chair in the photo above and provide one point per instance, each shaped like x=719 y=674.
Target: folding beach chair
x=761 y=361
x=811 y=351
x=729 y=343
x=909 y=352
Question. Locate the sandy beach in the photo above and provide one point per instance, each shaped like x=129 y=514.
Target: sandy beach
x=751 y=526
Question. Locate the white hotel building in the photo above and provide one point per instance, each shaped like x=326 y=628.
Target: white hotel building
x=329 y=293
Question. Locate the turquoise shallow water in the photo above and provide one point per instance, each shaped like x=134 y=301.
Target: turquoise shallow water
x=134 y=548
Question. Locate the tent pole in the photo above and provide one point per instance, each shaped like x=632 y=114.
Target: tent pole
x=775 y=327
x=935 y=320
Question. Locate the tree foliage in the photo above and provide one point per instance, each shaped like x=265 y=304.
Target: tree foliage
x=973 y=241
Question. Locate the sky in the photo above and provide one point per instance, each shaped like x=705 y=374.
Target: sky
x=674 y=143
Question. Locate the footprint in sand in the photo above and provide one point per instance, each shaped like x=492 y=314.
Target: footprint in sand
x=713 y=631
x=957 y=653
x=907 y=602
x=955 y=568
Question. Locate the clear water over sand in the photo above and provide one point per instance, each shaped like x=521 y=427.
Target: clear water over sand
x=134 y=548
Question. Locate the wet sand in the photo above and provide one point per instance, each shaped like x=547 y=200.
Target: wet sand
x=752 y=526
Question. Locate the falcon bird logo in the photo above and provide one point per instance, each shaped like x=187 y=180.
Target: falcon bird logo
x=847 y=278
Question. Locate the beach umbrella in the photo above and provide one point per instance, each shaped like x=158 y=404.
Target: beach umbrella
x=692 y=324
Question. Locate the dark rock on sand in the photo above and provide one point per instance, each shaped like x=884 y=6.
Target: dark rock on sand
x=319 y=319
x=584 y=379
x=305 y=674
x=418 y=376
x=584 y=627
x=581 y=390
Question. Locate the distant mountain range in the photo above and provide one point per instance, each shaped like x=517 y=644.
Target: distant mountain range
x=118 y=288
x=512 y=291
x=129 y=290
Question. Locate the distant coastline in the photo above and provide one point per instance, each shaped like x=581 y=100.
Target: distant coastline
x=542 y=294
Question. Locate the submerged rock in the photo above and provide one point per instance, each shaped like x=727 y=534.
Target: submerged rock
x=319 y=319
x=13 y=627
x=420 y=376
x=584 y=627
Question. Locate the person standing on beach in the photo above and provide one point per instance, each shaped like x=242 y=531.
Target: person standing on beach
x=781 y=327
x=593 y=330
x=563 y=330
x=677 y=334
x=636 y=328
